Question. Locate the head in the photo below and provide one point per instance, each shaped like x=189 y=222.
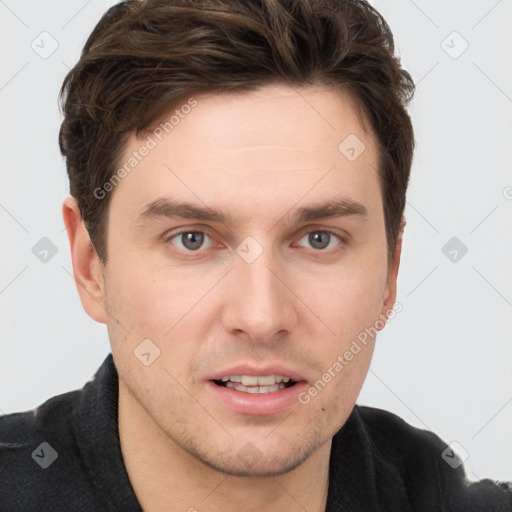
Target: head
x=285 y=123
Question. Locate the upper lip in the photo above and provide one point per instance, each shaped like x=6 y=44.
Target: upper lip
x=250 y=369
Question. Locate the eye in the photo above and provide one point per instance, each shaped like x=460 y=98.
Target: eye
x=320 y=239
x=194 y=241
x=190 y=240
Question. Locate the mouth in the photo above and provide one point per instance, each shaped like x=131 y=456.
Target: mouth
x=256 y=384
x=249 y=390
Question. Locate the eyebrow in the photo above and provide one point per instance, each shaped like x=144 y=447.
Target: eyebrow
x=165 y=207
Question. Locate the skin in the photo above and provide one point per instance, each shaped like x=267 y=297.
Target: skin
x=257 y=156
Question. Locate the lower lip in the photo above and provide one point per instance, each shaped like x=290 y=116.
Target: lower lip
x=257 y=403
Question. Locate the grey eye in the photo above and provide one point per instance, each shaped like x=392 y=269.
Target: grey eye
x=190 y=240
x=320 y=240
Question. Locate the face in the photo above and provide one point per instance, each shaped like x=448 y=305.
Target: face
x=273 y=286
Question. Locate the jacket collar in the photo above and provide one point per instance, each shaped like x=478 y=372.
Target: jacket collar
x=360 y=478
x=96 y=430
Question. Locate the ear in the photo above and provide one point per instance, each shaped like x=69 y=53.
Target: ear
x=389 y=297
x=87 y=267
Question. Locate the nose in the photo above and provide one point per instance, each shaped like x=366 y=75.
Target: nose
x=260 y=302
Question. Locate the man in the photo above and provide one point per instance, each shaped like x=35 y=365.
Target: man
x=238 y=173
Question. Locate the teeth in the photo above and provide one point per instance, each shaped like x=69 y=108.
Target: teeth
x=249 y=380
x=254 y=380
x=255 y=389
x=267 y=380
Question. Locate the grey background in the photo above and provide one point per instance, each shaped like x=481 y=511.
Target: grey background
x=444 y=363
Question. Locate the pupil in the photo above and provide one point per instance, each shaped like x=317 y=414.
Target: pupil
x=315 y=239
x=193 y=240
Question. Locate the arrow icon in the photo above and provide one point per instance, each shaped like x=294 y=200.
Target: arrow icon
x=44 y=45
x=454 y=454
x=147 y=352
x=248 y=459
x=454 y=249
x=44 y=250
x=249 y=454
x=249 y=253
x=454 y=45
x=351 y=147
x=45 y=455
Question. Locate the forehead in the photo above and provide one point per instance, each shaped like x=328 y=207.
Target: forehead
x=264 y=148
x=273 y=121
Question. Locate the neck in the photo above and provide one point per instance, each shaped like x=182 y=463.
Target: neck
x=166 y=477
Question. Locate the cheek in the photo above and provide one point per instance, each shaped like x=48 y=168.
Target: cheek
x=150 y=301
x=348 y=300
x=155 y=304
x=349 y=303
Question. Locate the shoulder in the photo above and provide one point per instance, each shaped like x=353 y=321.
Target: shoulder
x=30 y=442
x=20 y=430
x=394 y=436
x=428 y=465
x=53 y=413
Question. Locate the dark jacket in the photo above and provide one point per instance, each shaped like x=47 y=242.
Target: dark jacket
x=65 y=455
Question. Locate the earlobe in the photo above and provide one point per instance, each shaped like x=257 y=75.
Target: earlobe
x=389 y=297
x=87 y=268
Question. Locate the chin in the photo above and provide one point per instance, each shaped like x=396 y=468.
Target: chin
x=262 y=465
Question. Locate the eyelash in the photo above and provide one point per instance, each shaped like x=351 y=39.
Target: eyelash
x=343 y=240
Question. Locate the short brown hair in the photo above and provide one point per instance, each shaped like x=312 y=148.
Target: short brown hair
x=143 y=57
